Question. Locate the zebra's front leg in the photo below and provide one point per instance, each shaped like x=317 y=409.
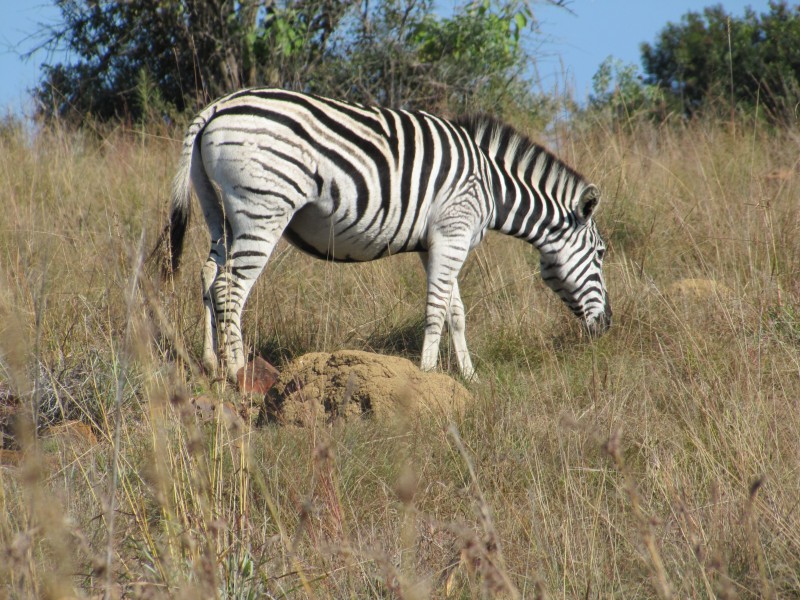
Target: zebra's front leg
x=456 y=322
x=444 y=261
x=435 y=317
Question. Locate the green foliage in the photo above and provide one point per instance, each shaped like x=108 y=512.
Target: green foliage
x=404 y=55
x=480 y=46
x=478 y=35
x=746 y=61
x=154 y=57
x=618 y=89
x=191 y=50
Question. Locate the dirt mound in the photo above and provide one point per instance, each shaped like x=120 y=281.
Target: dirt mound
x=698 y=289
x=322 y=386
x=702 y=303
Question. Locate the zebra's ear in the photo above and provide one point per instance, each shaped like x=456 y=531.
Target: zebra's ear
x=587 y=204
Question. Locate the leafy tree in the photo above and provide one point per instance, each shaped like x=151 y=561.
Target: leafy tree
x=189 y=50
x=403 y=55
x=619 y=90
x=154 y=56
x=713 y=56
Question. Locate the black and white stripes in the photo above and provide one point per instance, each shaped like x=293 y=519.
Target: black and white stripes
x=352 y=183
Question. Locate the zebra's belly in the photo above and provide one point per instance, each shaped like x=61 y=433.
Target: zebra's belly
x=343 y=239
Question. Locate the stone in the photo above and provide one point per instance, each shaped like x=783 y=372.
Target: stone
x=71 y=433
x=257 y=377
x=206 y=409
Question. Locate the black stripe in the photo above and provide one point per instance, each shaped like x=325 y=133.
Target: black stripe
x=346 y=108
x=342 y=162
x=338 y=128
x=291 y=159
x=247 y=254
x=251 y=237
x=407 y=160
x=280 y=175
x=255 y=216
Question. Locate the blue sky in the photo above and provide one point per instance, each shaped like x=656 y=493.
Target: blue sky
x=570 y=49
x=577 y=43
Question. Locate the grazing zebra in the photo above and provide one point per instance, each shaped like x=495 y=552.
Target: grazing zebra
x=347 y=182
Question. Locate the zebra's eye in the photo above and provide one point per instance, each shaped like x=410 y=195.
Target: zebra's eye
x=601 y=252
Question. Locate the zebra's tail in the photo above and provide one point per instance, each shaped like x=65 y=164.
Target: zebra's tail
x=172 y=237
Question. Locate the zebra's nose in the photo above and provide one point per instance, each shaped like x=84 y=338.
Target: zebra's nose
x=600 y=324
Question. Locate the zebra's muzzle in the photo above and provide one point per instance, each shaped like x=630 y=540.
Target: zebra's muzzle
x=600 y=324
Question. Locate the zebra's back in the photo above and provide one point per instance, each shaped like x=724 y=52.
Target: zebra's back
x=361 y=182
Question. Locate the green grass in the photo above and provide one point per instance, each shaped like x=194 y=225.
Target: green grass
x=658 y=461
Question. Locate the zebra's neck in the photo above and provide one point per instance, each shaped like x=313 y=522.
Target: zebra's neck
x=533 y=190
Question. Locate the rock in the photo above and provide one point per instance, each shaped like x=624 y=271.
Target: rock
x=702 y=302
x=231 y=417
x=10 y=458
x=76 y=434
x=257 y=377
x=204 y=406
x=206 y=410
x=348 y=383
x=781 y=175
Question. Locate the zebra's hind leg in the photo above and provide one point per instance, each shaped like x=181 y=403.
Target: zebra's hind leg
x=214 y=214
x=207 y=277
x=252 y=242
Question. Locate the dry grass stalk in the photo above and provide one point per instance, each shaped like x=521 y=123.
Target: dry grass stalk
x=483 y=553
x=646 y=523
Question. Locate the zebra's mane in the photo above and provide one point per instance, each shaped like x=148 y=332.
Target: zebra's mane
x=494 y=137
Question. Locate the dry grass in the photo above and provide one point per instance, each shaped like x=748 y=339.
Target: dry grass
x=660 y=461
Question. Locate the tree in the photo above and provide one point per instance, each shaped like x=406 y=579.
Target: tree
x=134 y=57
x=618 y=90
x=713 y=56
x=188 y=50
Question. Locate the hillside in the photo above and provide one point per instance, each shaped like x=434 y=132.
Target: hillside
x=658 y=461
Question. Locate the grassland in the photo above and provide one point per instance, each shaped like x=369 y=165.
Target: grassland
x=658 y=461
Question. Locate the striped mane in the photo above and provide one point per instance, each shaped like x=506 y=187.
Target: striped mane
x=495 y=138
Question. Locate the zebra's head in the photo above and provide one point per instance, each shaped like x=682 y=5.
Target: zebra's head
x=572 y=263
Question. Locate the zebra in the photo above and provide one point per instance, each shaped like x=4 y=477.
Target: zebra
x=348 y=182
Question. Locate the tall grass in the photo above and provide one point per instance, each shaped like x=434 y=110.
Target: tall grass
x=659 y=461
